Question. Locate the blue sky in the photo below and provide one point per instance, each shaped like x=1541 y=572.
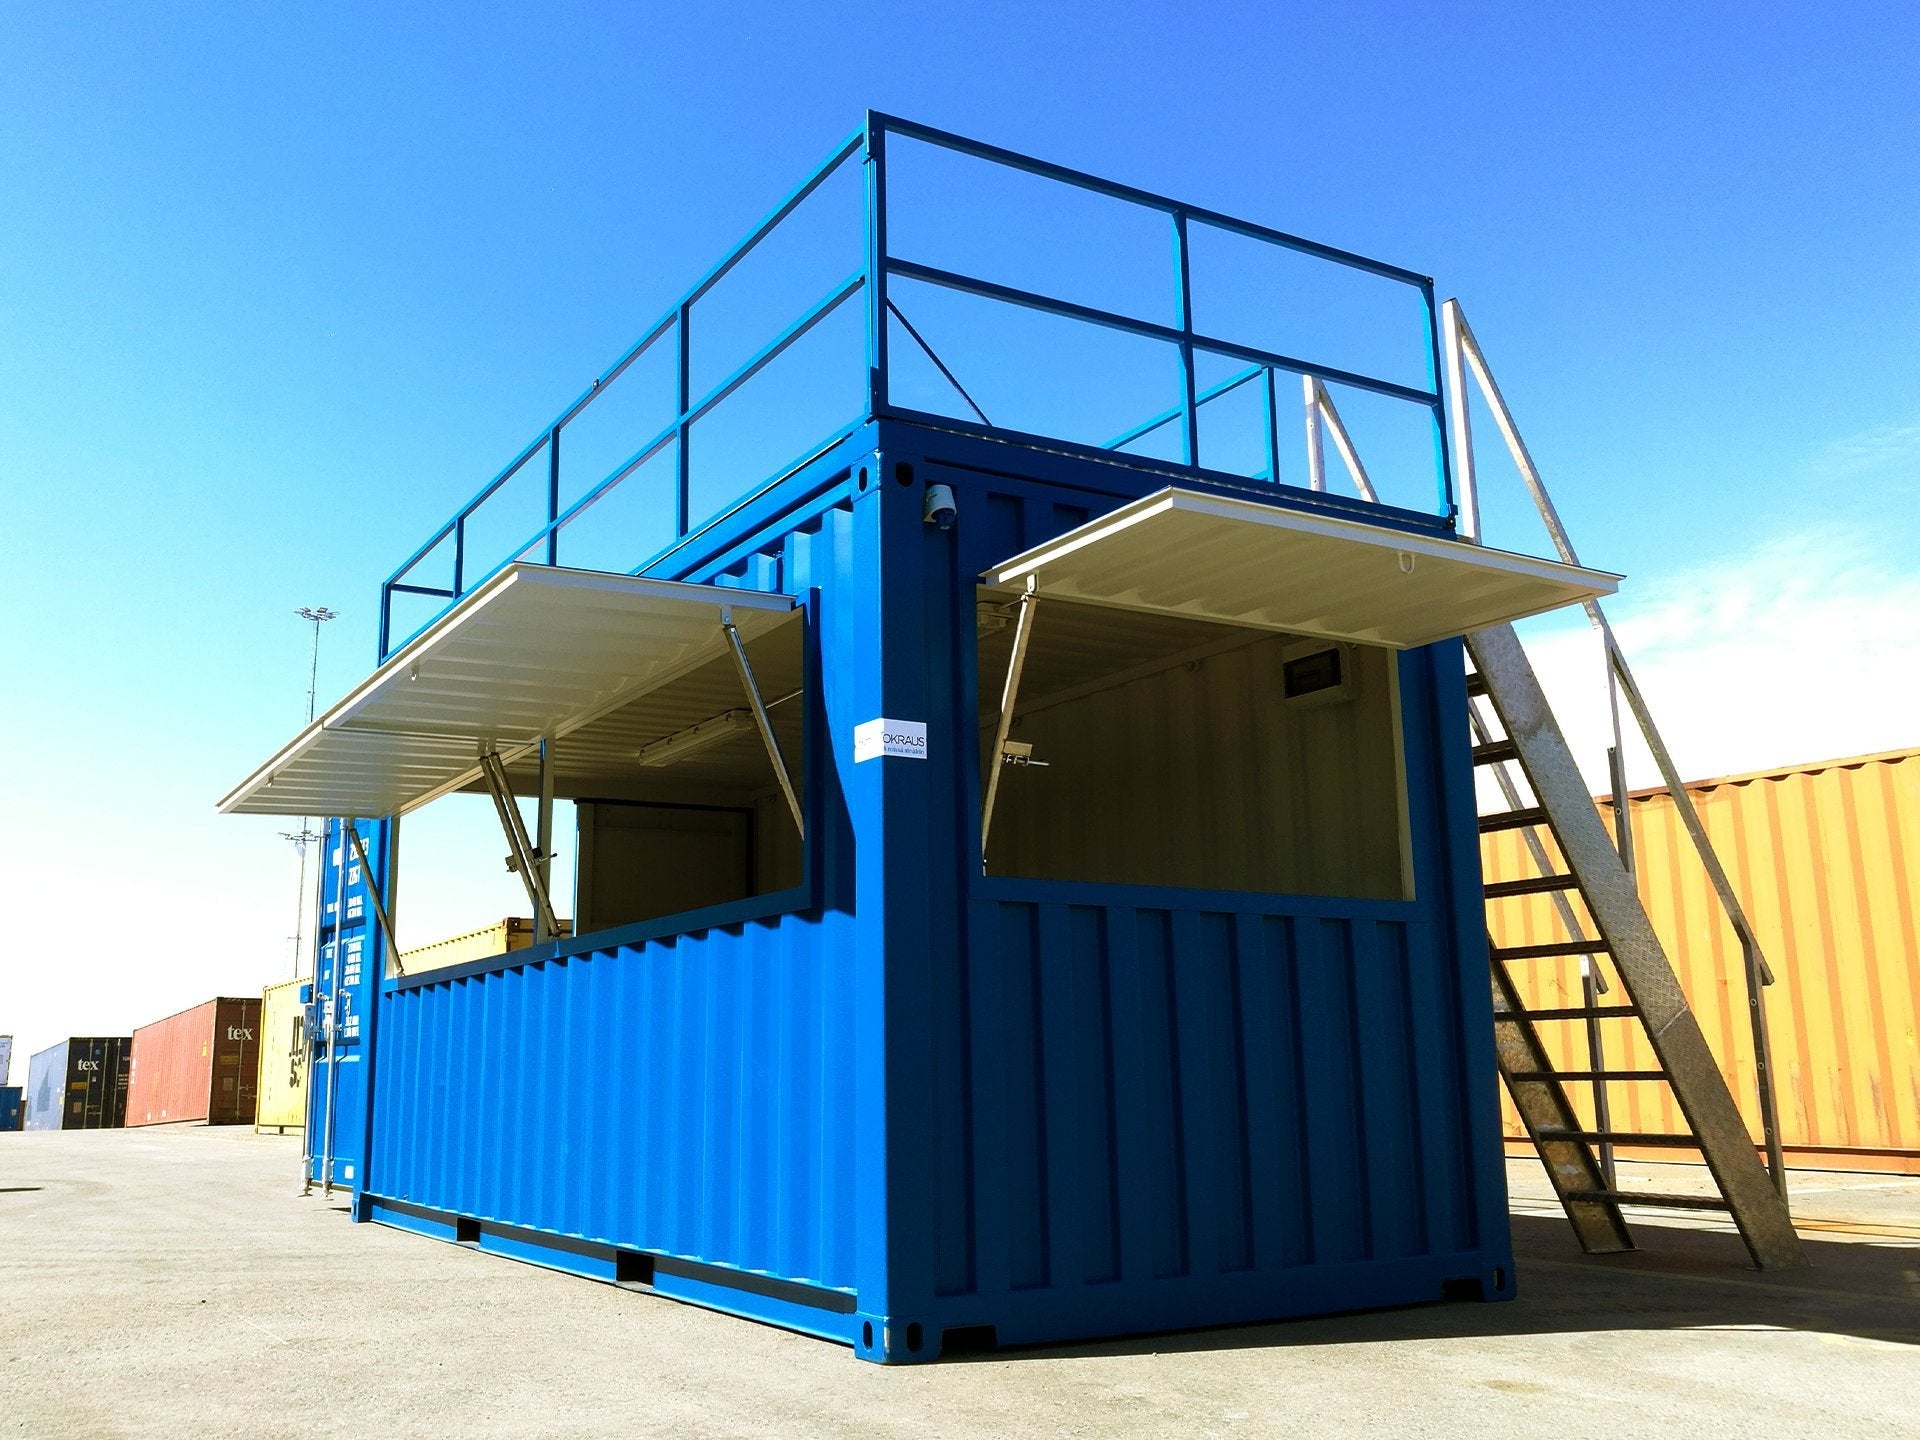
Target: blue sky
x=280 y=287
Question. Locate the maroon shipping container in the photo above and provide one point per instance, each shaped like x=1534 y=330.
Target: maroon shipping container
x=202 y=1064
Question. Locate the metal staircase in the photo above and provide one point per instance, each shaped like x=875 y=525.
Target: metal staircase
x=1617 y=928
x=1522 y=747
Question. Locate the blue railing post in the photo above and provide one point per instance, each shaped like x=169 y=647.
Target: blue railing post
x=459 y=554
x=386 y=617
x=1273 y=427
x=1189 y=409
x=683 y=429
x=876 y=217
x=553 y=495
x=1436 y=382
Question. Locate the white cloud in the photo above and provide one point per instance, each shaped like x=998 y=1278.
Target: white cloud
x=1891 y=447
x=1804 y=648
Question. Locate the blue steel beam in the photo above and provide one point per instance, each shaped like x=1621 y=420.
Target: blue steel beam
x=1012 y=159
x=875 y=217
x=786 y=207
x=870 y=140
x=1167 y=417
x=674 y=429
x=684 y=422
x=1442 y=447
x=1183 y=305
x=987 y=289
x=1273 y=429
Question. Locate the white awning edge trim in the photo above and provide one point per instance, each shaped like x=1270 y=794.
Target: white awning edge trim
x=498 y=592
x=1071 y=567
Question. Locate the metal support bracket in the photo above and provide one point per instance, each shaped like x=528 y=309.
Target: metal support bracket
x=374 y=894
x=1321 y=411
x=543 y=835
x=1010 y=692
x=525 y=858
x=761 y=722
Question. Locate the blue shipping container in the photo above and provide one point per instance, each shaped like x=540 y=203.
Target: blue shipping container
x=1028 y=888
x=12 y=1107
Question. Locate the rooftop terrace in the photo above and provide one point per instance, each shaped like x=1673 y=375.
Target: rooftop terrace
x=919 y=276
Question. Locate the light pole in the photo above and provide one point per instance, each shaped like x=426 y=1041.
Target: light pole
x=304 y=836
x=319 y=615
x=301 y=838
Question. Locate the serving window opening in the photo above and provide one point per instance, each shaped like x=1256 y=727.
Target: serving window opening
x=671 y=803
x=1149 y=749
x=679 y=803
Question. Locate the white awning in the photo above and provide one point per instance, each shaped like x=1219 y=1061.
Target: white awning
x=1244 y=563
x=535 y=652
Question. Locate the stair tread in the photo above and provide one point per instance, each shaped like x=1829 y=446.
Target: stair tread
x=1513 y=819
x=1495 y=751
x=1570 y=1012
x=1552 y=949
x=1625 y=1137
x=1653 y=1198
x=1623 y=1075
x=1533 y=885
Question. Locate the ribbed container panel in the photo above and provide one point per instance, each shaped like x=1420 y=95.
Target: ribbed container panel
x=1826 y=861
x=1156 y=1094
x=79 y=1084
x=201 y=1064
x=686 y=1097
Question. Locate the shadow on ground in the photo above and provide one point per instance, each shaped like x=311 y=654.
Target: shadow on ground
x=1680 y=1279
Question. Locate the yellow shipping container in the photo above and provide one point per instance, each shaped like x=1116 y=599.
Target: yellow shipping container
x=1826 y=860
x=501 y=939
x=283 y=1058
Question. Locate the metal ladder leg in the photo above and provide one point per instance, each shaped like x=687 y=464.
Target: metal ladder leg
x=1627 y=937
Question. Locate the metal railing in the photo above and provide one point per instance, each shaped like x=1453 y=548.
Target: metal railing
x=873 y=274
x=1465 y=361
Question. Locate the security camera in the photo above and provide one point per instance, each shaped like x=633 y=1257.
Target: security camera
x=939 y=508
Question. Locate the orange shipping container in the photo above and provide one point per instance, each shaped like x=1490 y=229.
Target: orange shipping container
x=1826 y=860
x=202 y=1064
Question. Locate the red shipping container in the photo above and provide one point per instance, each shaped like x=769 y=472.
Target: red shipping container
x=202 y=1064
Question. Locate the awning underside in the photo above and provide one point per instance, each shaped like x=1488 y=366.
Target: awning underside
x=613 y=661
x=1244 y=563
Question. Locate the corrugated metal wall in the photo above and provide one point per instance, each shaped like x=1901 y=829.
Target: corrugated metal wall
x=236 y=1061
x=1826 y=859
x=283 y=1056
x=1151 y=1102
x=1057 y=1108
x=171 y=1078
x=47 y=1088
x=79 y=1084
x=1161 y=1094
x=692 y=1096
x=688 y=1096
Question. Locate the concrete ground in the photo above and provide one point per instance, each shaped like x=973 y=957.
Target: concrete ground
x=172 y=1282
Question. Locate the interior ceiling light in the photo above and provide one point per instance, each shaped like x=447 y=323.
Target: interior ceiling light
x=691 y=741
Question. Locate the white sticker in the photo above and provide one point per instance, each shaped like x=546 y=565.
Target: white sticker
x=890 y=737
